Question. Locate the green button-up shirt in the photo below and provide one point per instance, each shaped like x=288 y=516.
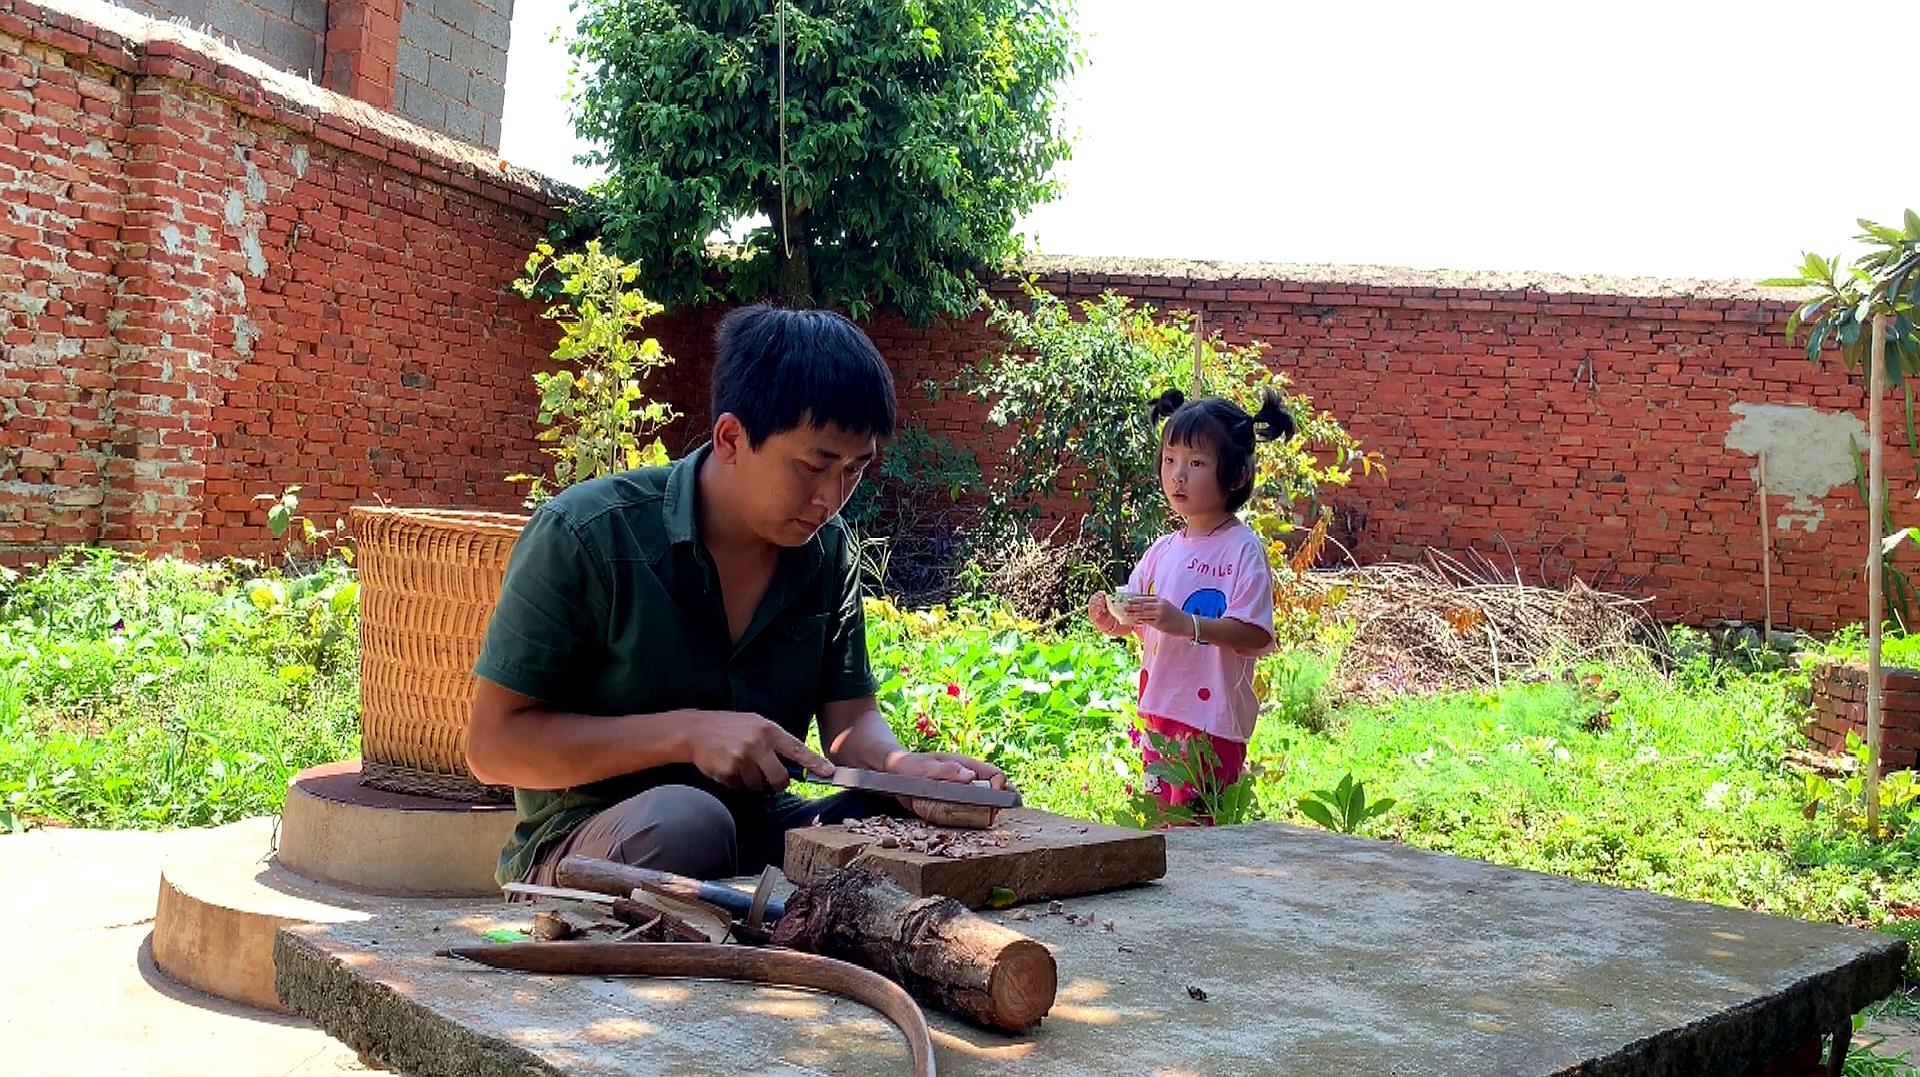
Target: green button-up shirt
x=611 y=605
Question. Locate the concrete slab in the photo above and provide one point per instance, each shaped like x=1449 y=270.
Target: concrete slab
x=1317 y=954
x=83 y=995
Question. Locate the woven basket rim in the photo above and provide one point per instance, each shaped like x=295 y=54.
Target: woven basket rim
x=428 y=515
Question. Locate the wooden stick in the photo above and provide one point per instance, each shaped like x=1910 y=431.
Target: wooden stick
x=1197 y=384
x=608 y=877
x=931 y=946
x=1876 y=510
x=1766 y=552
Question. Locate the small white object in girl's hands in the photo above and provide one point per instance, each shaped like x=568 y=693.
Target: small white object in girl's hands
x=1117 y=604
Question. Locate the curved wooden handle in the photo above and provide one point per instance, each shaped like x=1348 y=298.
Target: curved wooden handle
x=710 y=961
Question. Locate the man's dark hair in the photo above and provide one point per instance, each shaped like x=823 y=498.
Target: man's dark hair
x=776 y=369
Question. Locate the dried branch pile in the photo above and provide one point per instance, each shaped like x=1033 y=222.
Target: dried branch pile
x=1444 y=625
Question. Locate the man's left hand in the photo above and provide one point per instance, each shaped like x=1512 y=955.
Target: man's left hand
x=944 y=767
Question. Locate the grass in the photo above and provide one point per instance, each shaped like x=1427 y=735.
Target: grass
x=163 y=694
x=166 y=694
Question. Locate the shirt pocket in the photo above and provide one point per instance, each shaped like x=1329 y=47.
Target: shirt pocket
x=787 y=670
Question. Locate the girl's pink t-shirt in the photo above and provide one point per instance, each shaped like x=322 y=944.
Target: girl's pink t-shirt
x=1220 y=575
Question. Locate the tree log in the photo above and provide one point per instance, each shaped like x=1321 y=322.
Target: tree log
x=934 y=947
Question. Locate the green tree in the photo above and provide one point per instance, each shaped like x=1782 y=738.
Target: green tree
x=1867 y=311
x=916 y=132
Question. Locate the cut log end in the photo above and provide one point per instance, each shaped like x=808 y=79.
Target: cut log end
x=1023 y=984
x=933 y=947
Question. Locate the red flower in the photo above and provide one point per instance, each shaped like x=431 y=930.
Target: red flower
x=953 y=690
x=925 y=724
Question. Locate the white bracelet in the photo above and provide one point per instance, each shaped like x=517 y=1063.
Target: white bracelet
x=1195 y=618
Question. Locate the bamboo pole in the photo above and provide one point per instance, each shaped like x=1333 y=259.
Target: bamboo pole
x=1766 y=553
x=1197 y=384
x=1876 y=510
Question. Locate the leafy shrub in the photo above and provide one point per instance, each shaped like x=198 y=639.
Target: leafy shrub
x=1073 y=386
x=908 y=514
x=595 y=414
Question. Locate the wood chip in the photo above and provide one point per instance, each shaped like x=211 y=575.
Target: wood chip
x=917 y=837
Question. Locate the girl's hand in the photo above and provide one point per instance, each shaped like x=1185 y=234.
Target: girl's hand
x=1101 y=616
x=1161 y=614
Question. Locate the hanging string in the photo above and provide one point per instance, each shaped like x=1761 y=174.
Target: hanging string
x=780 y=19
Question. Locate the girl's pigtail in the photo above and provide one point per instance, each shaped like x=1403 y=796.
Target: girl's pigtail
x=1273 y=422
x=1166 y=404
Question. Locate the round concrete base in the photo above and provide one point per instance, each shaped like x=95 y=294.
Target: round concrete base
x=333 y=829
x=222 y=900
x=344 y=852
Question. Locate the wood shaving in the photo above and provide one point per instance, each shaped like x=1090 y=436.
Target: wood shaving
x=918 y=837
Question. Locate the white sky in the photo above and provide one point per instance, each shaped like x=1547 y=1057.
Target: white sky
x=1636 y=137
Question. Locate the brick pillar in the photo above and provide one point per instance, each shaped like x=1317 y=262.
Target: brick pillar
x=173 y=280
x=362 y=50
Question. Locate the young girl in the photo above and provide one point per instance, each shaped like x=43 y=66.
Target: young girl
x=1201 y=600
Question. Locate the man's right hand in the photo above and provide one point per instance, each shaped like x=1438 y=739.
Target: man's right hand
x=744 y=751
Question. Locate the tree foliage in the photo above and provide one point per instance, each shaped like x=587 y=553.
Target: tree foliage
x=1072 y=384
x=916 y=134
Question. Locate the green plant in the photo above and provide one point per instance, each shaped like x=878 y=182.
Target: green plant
x=1343 y=808
x=302 y=537
x=1880 y=290
x=137 y=693
x=988 y=683
x=1845 y=797
x=1192 y=764
x=1864 y=1058
x=889 y=145
x=595 y=414
x=1293 y=684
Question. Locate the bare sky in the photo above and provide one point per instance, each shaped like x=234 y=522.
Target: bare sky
x=1667 y=138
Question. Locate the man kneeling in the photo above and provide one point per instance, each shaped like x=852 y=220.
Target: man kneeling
x=665 y=636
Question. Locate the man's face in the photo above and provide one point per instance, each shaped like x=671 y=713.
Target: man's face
x=796 y=481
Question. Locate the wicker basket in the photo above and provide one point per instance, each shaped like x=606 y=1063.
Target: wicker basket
x=429 y=579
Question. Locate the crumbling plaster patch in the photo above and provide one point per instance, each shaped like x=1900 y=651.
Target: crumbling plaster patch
x=1809 y=453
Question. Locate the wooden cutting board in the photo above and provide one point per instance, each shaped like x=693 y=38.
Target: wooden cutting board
x=1044 y=856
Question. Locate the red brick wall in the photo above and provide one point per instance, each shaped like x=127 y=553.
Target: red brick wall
x=1563 y=427
x=232 y=282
